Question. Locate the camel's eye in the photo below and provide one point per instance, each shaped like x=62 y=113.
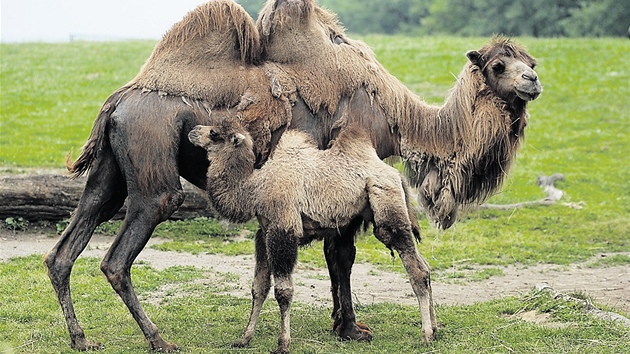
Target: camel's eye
x=337 y=39
x=214 y=136
x=498 y=67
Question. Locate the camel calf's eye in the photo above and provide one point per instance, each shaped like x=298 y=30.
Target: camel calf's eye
x=214 y=136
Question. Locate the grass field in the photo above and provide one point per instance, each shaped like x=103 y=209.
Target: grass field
x=580 y=127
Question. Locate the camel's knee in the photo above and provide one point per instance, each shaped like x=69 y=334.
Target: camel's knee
x=395 y=235
x=114 y=273
x=59 y=268
x=169 y=202
x=283 y=294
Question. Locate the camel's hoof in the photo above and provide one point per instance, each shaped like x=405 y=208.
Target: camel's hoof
x=240 y=344
x=82 y=345
x=363 y=326
x=162 y=346
x=355 y=331
x=280 y=351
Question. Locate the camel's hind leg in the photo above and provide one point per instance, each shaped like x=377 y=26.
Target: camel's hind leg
x=393 y=228
x=144 y=213
x=419 y=276
x=104 y=194
x=260 y=289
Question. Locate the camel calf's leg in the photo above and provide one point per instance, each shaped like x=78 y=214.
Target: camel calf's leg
x=282 y=251
x=260 y=289
x=393 y=228
x=419 y=275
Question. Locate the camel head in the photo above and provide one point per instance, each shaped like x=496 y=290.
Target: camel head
x=508 y=69
x=225 y=138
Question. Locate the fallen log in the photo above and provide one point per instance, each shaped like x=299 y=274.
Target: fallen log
x=53 y=197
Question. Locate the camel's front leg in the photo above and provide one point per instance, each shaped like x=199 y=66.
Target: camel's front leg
x=260 y=289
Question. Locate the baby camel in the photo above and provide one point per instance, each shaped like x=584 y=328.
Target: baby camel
x=302 y=194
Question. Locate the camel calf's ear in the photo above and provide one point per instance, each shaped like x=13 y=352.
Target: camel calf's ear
x=474 y=57
x=237 y=139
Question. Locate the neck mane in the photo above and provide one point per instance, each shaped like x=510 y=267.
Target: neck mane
x=228 y=191
x=460 y=153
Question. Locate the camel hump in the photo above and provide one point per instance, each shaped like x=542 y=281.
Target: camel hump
x=201 y=53
x=222 y=25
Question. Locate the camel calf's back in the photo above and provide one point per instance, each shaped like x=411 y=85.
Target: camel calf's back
x=331 y=187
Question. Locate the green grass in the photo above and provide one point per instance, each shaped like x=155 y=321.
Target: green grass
x=201 y=320
x=51 y=93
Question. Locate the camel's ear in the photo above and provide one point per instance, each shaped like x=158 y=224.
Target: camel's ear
x=474 y=57
x=237 y=139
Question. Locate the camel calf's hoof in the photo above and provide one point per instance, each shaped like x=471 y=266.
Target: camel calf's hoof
x=163 y=346
x=240 y=344
x=428 y=335
x=82 y=345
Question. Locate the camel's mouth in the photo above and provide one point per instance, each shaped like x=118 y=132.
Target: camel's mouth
x=528 y=95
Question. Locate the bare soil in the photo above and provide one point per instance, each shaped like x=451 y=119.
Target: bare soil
x=608 y=286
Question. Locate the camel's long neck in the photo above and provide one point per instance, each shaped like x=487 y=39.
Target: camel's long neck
x=460 y=153
x=229 y=189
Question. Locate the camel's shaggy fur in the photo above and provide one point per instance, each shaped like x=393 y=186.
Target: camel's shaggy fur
x=287 y=190
x=460 y=151
x=479 y=131
x=294 y=69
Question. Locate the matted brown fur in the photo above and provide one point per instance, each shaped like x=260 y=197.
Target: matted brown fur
x=193 y=60
x=479 y=136
x=206 y=61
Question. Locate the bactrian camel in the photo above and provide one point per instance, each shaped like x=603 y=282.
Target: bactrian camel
x=286 y=197
x=294 y=69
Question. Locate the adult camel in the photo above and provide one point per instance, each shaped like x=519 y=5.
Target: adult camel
x=295 y=69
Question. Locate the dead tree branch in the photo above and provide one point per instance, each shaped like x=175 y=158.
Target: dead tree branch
x=553 y=195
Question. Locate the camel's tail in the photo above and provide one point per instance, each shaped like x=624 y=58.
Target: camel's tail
x=96 y=142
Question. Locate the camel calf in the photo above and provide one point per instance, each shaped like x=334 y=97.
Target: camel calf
x=302 y=194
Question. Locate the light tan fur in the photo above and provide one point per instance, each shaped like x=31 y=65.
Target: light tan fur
x=330 y=188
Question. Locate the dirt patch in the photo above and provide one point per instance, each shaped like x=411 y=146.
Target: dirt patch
x=609 y=286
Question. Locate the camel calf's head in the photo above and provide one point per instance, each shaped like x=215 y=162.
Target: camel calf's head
x=223 y=139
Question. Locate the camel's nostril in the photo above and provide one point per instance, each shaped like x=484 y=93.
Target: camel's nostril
x=530 y=76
